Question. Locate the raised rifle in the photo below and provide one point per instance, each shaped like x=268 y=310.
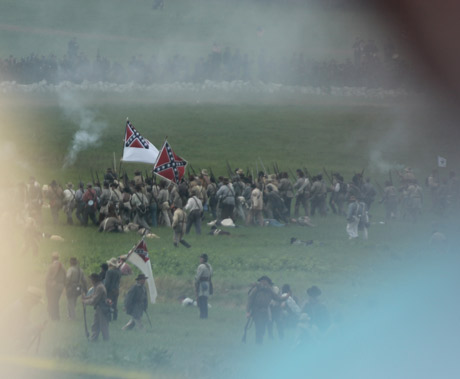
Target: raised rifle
x=212 y=175
x=327 y=175
x=307 y=173
x=97 y=177
x=92 y=176
x=193 y=171
x=263 y=167
x=229 y=171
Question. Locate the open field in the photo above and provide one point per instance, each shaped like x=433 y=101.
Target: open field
x=393 y=298
x=355 y=276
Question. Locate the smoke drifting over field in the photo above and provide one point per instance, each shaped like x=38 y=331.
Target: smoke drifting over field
x=89 y=127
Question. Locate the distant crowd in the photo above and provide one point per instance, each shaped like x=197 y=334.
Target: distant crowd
x=121 y=204
x=371 y=67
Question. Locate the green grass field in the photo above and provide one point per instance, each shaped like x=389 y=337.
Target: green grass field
x=310 y=133
x=339 y=134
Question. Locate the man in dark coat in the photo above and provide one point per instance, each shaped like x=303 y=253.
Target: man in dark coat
x=136 y=303
x=112 y=284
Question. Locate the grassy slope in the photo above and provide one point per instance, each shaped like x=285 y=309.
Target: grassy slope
x=338 y=137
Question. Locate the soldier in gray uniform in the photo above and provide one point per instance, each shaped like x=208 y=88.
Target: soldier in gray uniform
x=98 y=299
x=163 y=203
x=139 y=204
x=302 y=187
x=203 y=285
x=75 y=285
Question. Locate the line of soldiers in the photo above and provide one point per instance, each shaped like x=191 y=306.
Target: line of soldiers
x=268 y=306
x=120 y=205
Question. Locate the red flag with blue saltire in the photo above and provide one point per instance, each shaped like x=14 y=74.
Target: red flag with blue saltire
x=169 y=165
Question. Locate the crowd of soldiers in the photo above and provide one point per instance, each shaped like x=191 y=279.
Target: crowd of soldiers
x=142 y=203
x=370 y=68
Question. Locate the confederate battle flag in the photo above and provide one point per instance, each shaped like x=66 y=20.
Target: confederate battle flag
x=169 y=165
x=137 y=148
x=139 y=257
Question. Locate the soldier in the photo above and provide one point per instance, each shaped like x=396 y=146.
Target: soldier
x=98 y=299
x=104 y=201
x=302 y=187
x=139 y=206
x=286 y=191
x=69 y=202
x=317 y=312
x=414 y=201
x=115 y=196
x=90 y=205
x=163 y=202
x=136 y=303
x=194 y=207
x=357 y=218
x=80 y=205
x=369 y=193
x=55 y=195
x=203 y=285
x=390 y=200
x=75 y=285
x=178 y=225
x=112 y=285
x=259 y=297
x=318 y=194
x=226 y=196
x=55 y=283
x=257 y=206
x=211 y=192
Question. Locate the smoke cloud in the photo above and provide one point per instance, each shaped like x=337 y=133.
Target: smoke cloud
x=89 y=127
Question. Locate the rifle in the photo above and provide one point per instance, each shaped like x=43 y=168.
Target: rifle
x=212 y=175
x=263 y=167
x=86 y=324
x=92 y=177
x=148 y=318
x=246 y=327
x=327 y=175
x=229 y=171
x=97 y=177
x=193 y=171
x=114 y=165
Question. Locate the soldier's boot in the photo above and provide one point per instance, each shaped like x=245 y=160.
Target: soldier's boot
x=185 y=243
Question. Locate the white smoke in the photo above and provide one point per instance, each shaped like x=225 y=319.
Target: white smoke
x=89 y=128
x=378 y=163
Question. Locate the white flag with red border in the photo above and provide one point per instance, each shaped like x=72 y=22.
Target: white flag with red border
x=137 y=148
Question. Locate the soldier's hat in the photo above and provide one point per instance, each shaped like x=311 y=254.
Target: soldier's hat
x=204 y=256
x=314 y=291
x=141 y=277
x=204 y=172
x=112 y=262
x=266 y=278
x=70 y=184
x=89 y=184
